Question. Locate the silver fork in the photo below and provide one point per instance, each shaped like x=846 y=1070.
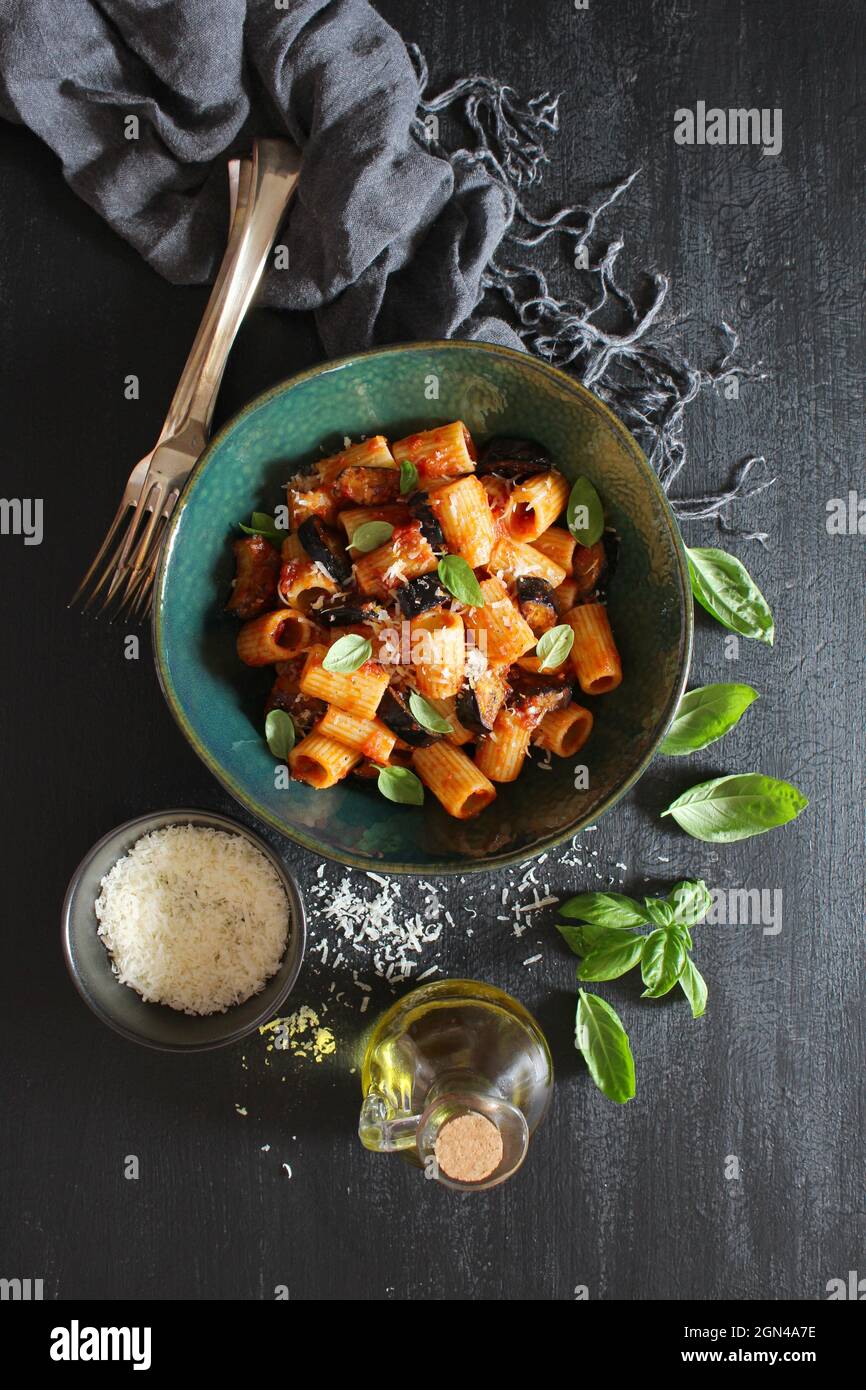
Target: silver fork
x=124 y=568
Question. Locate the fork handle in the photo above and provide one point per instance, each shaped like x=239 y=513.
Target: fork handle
x=265 y=185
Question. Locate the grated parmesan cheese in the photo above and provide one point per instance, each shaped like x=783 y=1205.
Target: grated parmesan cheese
x=193 y=918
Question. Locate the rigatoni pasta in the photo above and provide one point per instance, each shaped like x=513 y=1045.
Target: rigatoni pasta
x=594 y=655
x=454 y=779
x=359 y=692
x=428 y=616
x=502 y=753
x=321 y=761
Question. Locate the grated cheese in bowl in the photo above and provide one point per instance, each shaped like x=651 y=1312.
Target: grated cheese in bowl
x=194 y=918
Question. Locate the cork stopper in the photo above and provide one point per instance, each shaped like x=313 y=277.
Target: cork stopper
x=469 y=1148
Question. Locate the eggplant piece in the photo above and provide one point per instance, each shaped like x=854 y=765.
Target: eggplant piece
x=325 y=547
x=349 y=615
x=480 y=700
x=536 y=603
x=534 y=696
x=420 y=509
x=394 y=711
x=421 y=594
x=588 y=567
x=513 y=458
x=368 y=486
x=255 y=586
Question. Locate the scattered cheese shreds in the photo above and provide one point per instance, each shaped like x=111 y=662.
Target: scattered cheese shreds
x=301 y=1034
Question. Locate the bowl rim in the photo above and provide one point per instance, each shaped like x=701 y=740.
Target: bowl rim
x=487 y=863
x=216 y=821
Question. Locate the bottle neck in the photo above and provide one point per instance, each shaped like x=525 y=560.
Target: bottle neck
x=471 y=1139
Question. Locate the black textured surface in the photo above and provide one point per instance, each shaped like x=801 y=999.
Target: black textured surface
x=630 y=1202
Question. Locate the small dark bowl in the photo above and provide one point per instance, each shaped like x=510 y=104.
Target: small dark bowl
x=156 y=1025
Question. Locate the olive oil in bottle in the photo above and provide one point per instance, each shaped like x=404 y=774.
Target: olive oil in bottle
x=457 y=1076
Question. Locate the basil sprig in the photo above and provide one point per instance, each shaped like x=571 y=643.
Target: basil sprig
x=428 y=717
x=401 y=784
x=263 y=525
x=408 y=477
x=370 y=536
x=458 y=577
x=604 y=932
x=735 y=808
x=347 y=654
x=553 y=646
x=722 y=584
x=584 y=514
x=600 y=1036
x=705 y=715
x=280 y=733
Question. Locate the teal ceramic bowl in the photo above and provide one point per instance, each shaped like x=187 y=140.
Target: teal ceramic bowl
x=394 y=391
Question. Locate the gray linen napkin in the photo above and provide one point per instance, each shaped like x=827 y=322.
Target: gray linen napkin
x=391 y=236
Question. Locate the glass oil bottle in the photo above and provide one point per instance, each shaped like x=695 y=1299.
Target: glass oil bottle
x=457 y=1076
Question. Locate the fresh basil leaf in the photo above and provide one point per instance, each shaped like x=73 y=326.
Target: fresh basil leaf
x=370 y=536
x=583 y=937
x=662 y=962
x=733 y=808
x=459 y=579
x=554 y=645
x=408 y=477
x=680 y=929
x=694 y=987
x=601 y=1038
x=429 y=718
x=610 y=959
x=722 y=584
x=605 y=910
x=690 y=900
x=659 y=911
x=401 y=784
x=263 y=525
x=704 y=715
x=585 y=514
x=347 y=654
x=280 y=733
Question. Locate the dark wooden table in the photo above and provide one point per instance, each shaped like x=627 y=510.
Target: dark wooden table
x=634 y=1202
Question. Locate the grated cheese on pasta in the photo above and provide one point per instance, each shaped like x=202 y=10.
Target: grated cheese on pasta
x=193 y=918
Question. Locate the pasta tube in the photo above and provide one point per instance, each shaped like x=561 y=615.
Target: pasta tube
x=370 y=453
x=406 y=555
x=453 y=779
x=594 y=655
x=467 y=523
x=500 y=631
x=321 y=761
x=303 y=581
x=274 y=637
x=438 y=652
x=359 y=691
x=512 y=560
x=558 y=545
x=370 y=737
x=564 y=731
x=500 y=755
x=535 y=504
x=444 y=452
